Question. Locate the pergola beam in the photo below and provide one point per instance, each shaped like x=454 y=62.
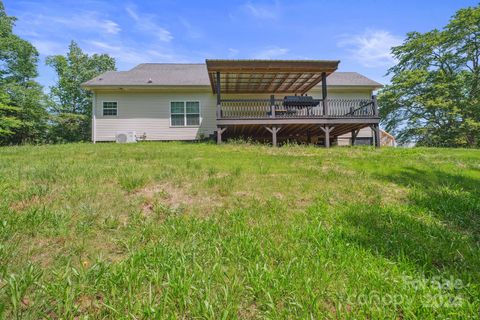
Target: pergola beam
x=273 y=65
x=293 y=82
x=281 y=83
x=313 y=84
x=269 y=76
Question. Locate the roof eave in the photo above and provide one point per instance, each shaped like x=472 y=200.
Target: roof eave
x=142 y=86
x=356 y=86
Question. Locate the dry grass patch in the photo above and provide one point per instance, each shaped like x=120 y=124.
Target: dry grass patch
x=178 y=198
x=41 y=250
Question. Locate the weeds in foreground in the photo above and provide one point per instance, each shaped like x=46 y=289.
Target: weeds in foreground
x=172 y=230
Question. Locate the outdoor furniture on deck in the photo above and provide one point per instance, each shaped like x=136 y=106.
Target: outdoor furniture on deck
x=299 y=105
x=283 y=112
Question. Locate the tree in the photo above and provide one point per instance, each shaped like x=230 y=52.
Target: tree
x=433 y=97
x=8 y=119
x=23 y=113
x=72 y=103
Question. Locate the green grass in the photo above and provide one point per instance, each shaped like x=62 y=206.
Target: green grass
x=176 y=230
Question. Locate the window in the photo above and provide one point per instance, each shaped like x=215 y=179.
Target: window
x=109 y=108
x=184 y=113
x=193 y=113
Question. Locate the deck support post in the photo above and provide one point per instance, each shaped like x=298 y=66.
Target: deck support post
x=324 y=94
x=326 y=130
x=274 y=131
x=219 y=101
x=376 y=132
x=375 y=106
x=354 y=136
x=219 y=134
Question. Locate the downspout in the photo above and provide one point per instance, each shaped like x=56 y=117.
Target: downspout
x=94 y=117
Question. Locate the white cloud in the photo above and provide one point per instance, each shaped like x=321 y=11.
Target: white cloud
x=103 y=45
x=372 y=48
x=90 y=20
x=192 y=31
x=146 y=23
x=131 y=55
x=263 y=11
x=132 y=13
x=87 y=21
x=47 y=47
x=271 y=53
x=111 y=27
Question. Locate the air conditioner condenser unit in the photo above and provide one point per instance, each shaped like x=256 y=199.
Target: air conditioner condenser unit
x=125 y=137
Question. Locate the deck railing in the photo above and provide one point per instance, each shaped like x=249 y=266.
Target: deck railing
x=276 y=108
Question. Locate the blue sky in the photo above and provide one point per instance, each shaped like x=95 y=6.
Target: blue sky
x=359 y=33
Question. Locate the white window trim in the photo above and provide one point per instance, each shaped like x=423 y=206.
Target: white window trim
x=185 y=113
x=111 y=116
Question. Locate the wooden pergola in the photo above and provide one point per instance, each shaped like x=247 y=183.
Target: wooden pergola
x=288 y=77
x=268 y=76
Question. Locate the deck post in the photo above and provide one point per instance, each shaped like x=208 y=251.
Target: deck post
x=376 y=133
x=272 y=105
x=326 y=130
x=324 y=94
x=354 y=136
x=274 y=131
x=219 y=101
x=327 y=137
x=375 y=106
x=219 y=134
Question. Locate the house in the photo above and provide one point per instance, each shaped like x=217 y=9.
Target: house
x=365 y=137
x=268 y=100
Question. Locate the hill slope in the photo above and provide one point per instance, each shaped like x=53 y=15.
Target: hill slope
x=235 y=231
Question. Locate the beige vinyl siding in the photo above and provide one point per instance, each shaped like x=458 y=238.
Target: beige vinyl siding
x=148 y=112
x=344 y=139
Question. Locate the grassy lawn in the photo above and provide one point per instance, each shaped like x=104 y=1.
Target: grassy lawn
x=182 y=230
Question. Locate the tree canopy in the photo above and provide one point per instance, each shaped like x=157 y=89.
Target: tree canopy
x=22 y=102
x=433 y=98
x=72 y=70
x=72 y=105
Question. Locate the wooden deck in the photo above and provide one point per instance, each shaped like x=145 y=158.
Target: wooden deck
x=275 y=108
x=271 y=120
x=323 y=118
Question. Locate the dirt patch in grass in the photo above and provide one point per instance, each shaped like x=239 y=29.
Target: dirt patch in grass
x=249 y=311
x=104 y=246
x=44 y=250
x=40 y=250
x=393 y=193
x=89 y=303
x=178 y=198
x=25 y=204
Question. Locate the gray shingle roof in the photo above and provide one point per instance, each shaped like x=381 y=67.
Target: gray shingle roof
x=195 y=74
